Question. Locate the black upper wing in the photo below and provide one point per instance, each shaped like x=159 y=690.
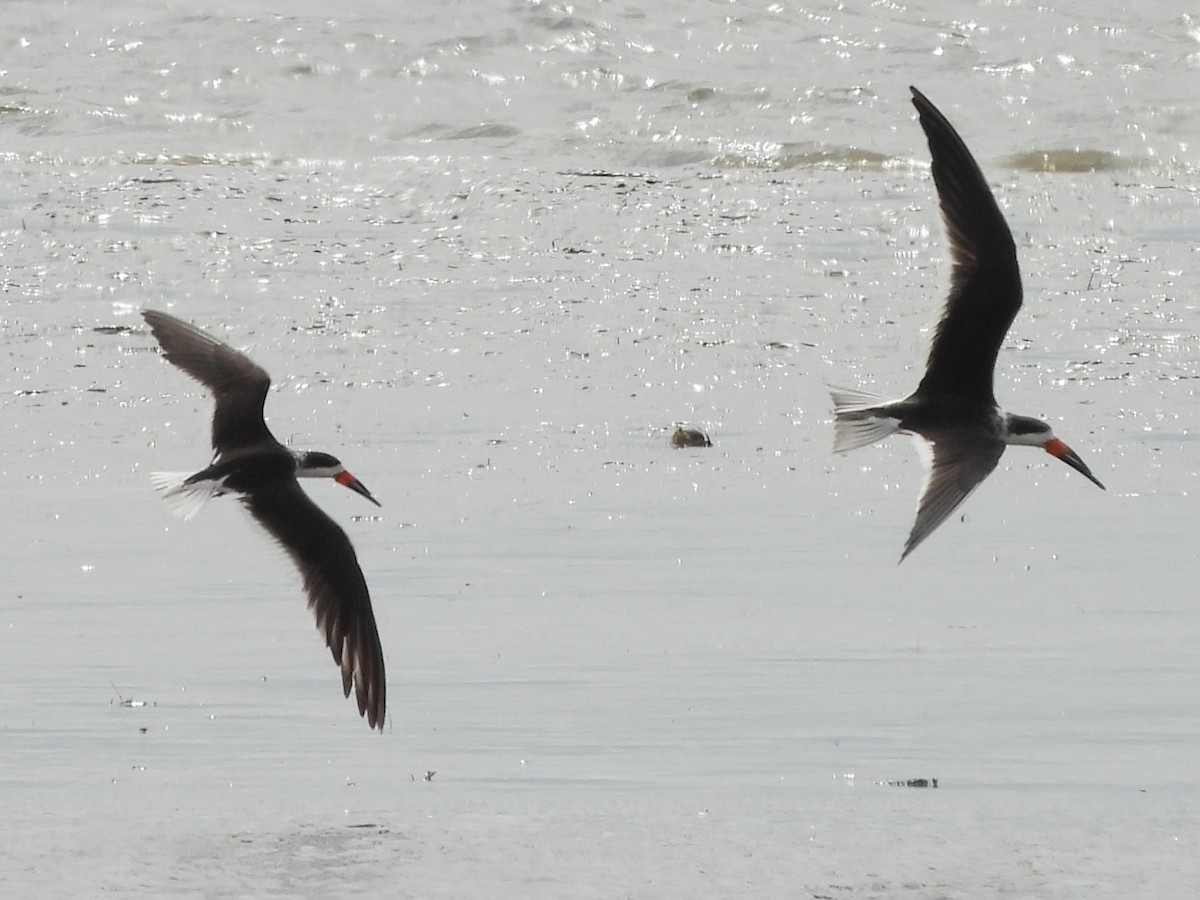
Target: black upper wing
x=337 y=591
x=985 y=286
x=238 y=385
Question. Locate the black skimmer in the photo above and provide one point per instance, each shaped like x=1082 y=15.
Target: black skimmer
x=250 y=462
x=953 y=412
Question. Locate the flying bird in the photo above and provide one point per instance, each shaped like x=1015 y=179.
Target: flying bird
x=953 y=414
x=250 y=462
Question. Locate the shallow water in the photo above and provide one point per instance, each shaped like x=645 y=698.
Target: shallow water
x=491 y=262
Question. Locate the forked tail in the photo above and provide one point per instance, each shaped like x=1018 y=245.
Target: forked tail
x=182 y=498
x=857 y=420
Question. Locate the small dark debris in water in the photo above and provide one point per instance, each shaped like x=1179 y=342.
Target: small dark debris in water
x=113 y=329
x=429 y=775
x=129 y=702
x=568 y=250
x=690 y=437
x=595 y=173
x=913 y=783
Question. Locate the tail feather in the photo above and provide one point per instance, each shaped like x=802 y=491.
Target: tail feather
x=857 y=421
x=183 y=499
x=853 y=399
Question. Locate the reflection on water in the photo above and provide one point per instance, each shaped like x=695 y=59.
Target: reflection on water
x=696 y=215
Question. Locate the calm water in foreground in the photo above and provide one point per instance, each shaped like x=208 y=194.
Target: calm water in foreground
x=492 y=257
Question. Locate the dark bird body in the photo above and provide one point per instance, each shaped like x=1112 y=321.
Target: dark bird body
x=953 y=413
x=250 y=462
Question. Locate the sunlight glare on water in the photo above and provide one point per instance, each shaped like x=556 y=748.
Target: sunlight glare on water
x=493 y=258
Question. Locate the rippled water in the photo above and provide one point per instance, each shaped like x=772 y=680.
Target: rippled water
x=493 y=257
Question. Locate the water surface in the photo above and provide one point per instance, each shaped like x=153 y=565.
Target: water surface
x=492 y=258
